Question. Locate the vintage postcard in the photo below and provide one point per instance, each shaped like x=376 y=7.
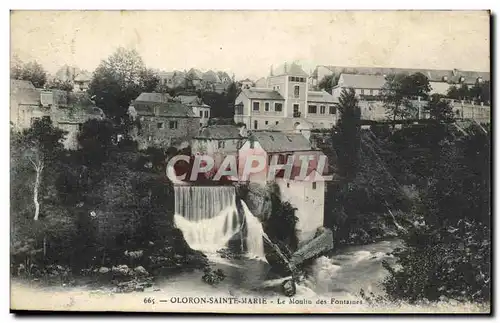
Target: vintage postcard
x=250 y=161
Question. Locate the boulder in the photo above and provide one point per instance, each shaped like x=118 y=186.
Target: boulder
x=121 y=270
x=258 y=199
x=288 y=288
x=322 y=242
x=140 y=271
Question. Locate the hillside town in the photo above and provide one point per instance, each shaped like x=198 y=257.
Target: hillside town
x=91 y=160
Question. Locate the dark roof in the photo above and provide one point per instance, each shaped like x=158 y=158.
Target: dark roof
x=281 y=142
x=168 y=109
x=153 y=97
x=219 y=132
x=264 y=94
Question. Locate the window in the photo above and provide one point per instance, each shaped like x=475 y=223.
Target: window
x=201 y=114
x=266 y=106
x=201 y=124
x=277 y=122
x=322 y=109
x=292 y=78
x=173 y=124
x=287 y=185
x=295 y=108
x=221 y=144
x=255 y=124
x=160 y=125
x=362 y=91
x=311 y=109
x=314 y=185
x=333 y=109
x=80 y=127
x=371 y=92
x=277 y=87
x=267 y=122
x=278 y=107
x=206 y=113
x=256 y=106
x=296 y=91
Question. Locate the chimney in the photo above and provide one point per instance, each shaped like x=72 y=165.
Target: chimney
x=285 y=68
x=271 y=71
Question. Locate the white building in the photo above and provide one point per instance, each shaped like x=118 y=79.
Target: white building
x=199 y=108
x=285 y=101
x=307 y=195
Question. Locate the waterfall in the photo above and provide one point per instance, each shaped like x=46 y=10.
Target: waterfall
x=208 y=218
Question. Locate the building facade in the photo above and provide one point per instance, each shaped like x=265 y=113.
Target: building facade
x=161 y=121
x=286 y=101
x=67 y=111
x=307 y=195
x=199 y=108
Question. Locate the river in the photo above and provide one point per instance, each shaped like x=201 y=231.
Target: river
x=333 y=280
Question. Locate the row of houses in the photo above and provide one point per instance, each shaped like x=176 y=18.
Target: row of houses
x=194 y=78
x=285 y=99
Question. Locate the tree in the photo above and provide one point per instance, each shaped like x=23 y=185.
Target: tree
x=453 y=93
x=149 y=80
x=398 y=92
x=39 y=146
x=118 y=80
x=463 y=92
x=328 y=82
x=31 y=71
x=439 y=108
x=96 y=139
x=346 y=135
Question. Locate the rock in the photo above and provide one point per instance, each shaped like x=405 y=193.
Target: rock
x=258 y=200
x=140 y=271
x=103 y=270
x=121 y=270
x=288 y=287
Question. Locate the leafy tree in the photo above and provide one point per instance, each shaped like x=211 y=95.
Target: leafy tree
x=118 y=80
x=328 y=82
x=463 y=92
x=32 y=71
x=439 y=108
x=96 y=140
x=39 y=146
x=398 y=92
x=149 y=80
x=346 y=135
x=453 y=93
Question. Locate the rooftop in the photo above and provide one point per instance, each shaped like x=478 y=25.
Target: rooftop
x=320 y=96
x=219 y=132
x=166 y=109
x=262 y=94
x=191 y=100
x=275 y=141
x=452 y=75
x=153 y=97
x=361 y=81
x=289 y=69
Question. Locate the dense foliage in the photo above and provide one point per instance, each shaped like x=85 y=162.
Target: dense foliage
x=94 y=210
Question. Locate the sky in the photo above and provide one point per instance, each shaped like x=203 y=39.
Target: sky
x=247 y=43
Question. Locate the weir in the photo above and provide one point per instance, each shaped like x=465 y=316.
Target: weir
x=209 y=218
